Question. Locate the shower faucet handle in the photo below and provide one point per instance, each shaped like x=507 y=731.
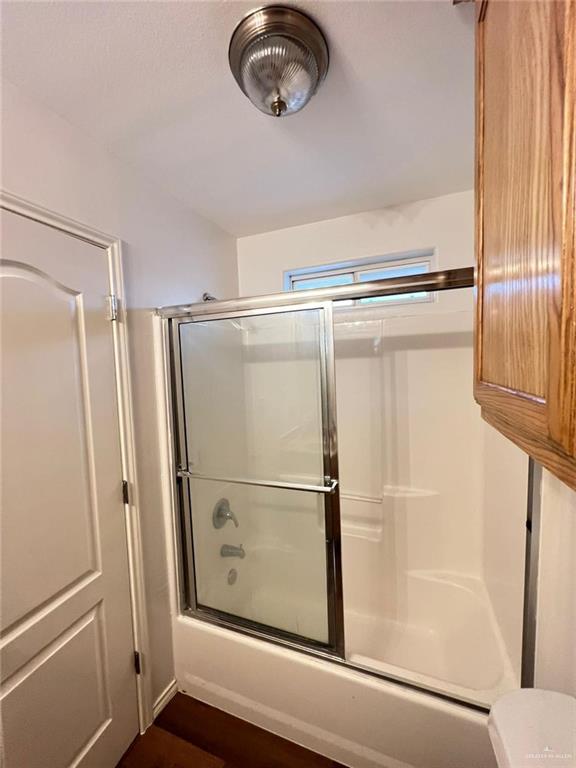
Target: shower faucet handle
x=222 y=513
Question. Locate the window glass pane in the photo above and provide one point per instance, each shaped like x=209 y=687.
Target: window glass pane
x=358 y=274
x=322 y=281
x=398 y=270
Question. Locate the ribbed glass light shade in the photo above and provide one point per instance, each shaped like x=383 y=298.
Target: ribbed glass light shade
x=279 y=57
x=279 y=74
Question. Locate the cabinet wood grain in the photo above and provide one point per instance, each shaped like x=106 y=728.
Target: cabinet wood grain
x=525 y=378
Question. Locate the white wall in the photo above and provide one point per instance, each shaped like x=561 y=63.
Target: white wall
x=505 y=471
x=445 y=223
x=556 y=623
x=171 y=255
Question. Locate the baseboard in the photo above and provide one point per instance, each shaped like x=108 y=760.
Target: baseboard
x=168 y=693
x=316 y=739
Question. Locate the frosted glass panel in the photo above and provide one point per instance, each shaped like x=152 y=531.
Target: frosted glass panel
x=275 y=573
x=433 y=508
x=252 y=389
x=252 y=397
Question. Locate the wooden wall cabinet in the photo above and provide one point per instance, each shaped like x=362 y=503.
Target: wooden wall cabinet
x=525 y=377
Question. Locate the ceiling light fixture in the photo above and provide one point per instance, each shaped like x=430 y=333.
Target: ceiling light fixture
x=279 y=57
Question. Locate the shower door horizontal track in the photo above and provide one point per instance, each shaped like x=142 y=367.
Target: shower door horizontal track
x=432 y=281
x=329 y=487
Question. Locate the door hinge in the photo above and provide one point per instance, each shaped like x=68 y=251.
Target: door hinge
x=137 y=665
x=125 y=494
x=113 y=303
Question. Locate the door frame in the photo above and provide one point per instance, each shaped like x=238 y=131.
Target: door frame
x=113 y=248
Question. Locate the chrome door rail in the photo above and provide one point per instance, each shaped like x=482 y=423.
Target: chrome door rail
x=431 y=281
x=330 y=486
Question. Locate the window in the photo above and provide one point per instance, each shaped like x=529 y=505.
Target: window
x=362 y=271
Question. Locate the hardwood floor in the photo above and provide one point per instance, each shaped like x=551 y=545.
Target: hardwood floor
x=191 y=734
x=160 y=749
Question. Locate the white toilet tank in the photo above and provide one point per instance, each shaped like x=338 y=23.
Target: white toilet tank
x=532 y=728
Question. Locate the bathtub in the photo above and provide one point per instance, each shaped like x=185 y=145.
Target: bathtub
x=349 y=716
x=444 y=635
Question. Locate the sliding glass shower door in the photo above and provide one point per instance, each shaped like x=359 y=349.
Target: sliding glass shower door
x=258 y=472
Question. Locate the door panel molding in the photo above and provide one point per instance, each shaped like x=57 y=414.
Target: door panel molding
x=46 y=607
x=26 y=283
x=112 y=246
x=39 y=629
x=77 y=659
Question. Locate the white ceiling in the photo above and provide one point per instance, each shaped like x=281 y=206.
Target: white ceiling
x=393 y=121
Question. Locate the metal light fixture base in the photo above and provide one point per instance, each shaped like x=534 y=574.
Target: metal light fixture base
x=278 y=57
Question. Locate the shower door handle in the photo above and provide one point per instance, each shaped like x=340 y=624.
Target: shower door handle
x=329 y=486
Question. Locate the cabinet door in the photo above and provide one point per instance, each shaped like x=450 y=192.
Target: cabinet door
x=526 y=316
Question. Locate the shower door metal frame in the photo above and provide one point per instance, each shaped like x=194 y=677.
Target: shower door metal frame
x=189 y=603
x=270 y=303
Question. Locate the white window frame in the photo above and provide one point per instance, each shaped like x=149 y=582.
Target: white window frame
x=357 y=266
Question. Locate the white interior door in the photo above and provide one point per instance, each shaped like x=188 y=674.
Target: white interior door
x=68 y=686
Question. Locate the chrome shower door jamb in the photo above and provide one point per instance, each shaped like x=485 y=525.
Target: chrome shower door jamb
x=531 y=574
x=186 y=570
x=331 y=473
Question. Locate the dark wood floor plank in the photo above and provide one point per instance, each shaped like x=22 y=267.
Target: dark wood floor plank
x=238 y=743
x=159 y=749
